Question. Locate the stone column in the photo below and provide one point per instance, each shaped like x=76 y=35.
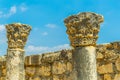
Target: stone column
x=83 y=31
x=17 y=36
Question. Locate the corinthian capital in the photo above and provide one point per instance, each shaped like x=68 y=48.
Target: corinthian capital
x=83 y=28
x=17 y=35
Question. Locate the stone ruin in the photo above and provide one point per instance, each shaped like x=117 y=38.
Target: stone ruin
x=86 y=61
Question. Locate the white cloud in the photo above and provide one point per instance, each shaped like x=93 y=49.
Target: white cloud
x=1 y=12
x=44 y=33
x=2 y=27
x=102 y=25
x=12 y=11
x=51 y=25
x=3 y=39
x=23 y=7
x=35 y=28
x=40 y=49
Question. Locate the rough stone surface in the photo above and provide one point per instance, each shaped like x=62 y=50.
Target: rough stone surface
x=109 y=62
x=15 y=65
x=83 y=28
x=69 y=67
x=44 y=70
x=58 y=67
x=17 y=35
x=85 y=63
x=52 y=66
x=117 y=77
x=36 y=78
x=99 y=56
x=30 y=71
x=117 y=63
x=108 y=68
x=107 y=77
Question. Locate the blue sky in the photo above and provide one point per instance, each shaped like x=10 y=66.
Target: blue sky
x=46 y=18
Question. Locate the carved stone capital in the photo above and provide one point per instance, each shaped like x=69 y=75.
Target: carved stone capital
x=83 y=28
x=17 y=35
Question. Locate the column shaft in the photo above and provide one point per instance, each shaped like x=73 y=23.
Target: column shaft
x=15 y=65
x=17 y=35
x=83 y=30
x=85 y=63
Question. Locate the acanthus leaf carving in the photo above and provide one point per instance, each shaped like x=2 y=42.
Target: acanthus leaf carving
x=17 y=35
x=83 y=28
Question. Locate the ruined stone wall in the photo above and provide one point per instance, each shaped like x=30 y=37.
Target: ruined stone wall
x=59 y=65
x=2 y=67
x=108 y=61
x=50 y=66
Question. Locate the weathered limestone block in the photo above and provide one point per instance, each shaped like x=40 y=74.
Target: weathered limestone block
x=58 y=67
x=66 y=55
x=117 y=77
x=3 y=72
x=116 y=45
x=51 y=57
x=101 y=48
x=108 y=68
x=100 y=77
x=2 y=78
x=63 y=77
x=2 y=66
x=30 y=71
x=46 y=78
x=55 y=77
x=31 y=78
x=70 y=76
x=0 y=71
x=69 y=54
x=26 y=76
x=44 y=70
x=107 y=77
x=69 y=67
x=108 y=51
x=36 y=59
x=99 y=56
x=58 y=77
x=117 y=63
x=37 y=78
x=2 y=59
x=28 y=60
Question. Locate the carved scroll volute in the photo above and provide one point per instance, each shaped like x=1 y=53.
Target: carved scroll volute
x=17 y=35
x=83 y=28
